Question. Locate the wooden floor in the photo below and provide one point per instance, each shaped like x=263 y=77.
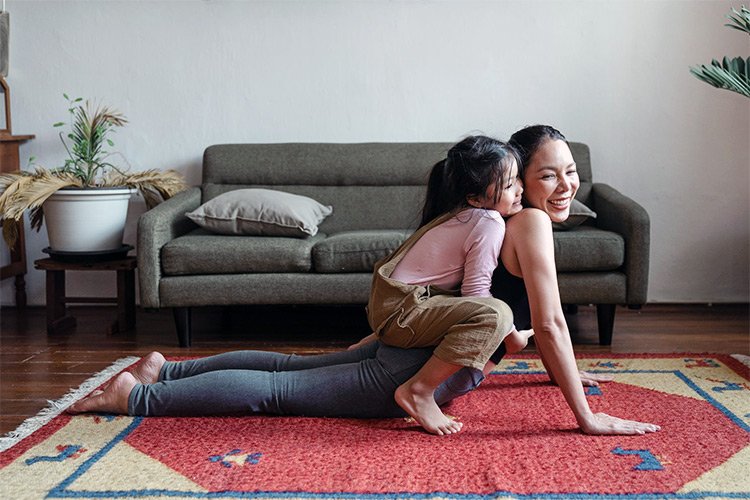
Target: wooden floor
x=35 y=367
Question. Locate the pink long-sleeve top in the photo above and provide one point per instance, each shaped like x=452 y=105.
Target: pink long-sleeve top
x=461 y=251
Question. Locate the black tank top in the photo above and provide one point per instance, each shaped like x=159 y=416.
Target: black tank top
x=511 y=290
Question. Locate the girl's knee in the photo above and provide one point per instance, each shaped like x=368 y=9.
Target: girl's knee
x=502 y=316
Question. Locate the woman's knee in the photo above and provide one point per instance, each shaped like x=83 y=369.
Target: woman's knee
x=462 y=382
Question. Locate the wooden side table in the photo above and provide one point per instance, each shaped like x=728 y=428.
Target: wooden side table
x=9 y=162
x=58 y=320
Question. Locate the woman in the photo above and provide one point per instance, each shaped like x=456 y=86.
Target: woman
x=526 y=277
x=361 y=382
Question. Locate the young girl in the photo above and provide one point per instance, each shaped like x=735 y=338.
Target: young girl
x=414 y=300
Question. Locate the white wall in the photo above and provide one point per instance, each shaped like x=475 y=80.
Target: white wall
x=613 y=74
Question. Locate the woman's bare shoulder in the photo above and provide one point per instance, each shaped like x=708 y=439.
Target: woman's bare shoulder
x=529 y=218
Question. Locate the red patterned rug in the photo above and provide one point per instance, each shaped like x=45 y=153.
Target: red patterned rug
x=519 y=441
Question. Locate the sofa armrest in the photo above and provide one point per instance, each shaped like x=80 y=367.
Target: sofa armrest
x=618 y=213
x=156 y=228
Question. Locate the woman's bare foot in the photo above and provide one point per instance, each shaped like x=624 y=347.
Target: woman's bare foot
x=420 y=404
x=114 y=399
x=517 y=340
x=148 y=369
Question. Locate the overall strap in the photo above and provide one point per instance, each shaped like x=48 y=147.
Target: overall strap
x=395 y=257
x=387 y=296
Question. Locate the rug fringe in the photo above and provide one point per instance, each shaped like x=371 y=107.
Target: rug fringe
x=54 y=408
x=745 y=360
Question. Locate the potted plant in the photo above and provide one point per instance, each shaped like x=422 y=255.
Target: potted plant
x=730 y=74
x=85 y=200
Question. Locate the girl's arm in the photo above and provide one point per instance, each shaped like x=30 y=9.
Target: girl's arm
x=529 y=250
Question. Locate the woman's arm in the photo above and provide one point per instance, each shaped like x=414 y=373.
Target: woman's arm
x=529 y=251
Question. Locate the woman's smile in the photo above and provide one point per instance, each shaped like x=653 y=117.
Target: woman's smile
x=561 y=202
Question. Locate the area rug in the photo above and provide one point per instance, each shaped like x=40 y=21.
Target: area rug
x=519 y=441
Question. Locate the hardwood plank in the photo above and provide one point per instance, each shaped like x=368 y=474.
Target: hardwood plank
x=78 y=368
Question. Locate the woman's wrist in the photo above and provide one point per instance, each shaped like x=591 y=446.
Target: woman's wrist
x=586 y=420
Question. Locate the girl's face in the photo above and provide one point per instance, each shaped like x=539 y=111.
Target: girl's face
x=509 y=200
x=551 y=180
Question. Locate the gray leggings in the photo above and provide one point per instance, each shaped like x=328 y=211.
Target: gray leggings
x=358 y=383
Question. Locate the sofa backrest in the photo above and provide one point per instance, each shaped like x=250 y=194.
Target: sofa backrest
x=582 y=156
x=369 y=185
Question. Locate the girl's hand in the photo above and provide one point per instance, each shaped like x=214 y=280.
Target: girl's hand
x=364 y=341
x=589 y=379
x=603 y=424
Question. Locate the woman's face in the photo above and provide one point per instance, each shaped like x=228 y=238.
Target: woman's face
x=550 y=180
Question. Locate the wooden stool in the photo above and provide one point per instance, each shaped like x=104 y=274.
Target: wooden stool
x=58 y=321
x=9 y=162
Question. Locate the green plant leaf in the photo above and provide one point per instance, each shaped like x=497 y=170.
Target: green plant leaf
x=740 y=20
x=109 y=141
x=730 y=74
x=66 y=96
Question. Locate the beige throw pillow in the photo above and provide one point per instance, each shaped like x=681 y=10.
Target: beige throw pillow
x=261 y=212
x=578 y=215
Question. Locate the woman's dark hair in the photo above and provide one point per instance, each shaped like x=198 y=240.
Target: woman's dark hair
x=528 y=140
x=470 y=167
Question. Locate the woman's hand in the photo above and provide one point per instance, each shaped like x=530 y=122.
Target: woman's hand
x=603 y=424
x=589 y=379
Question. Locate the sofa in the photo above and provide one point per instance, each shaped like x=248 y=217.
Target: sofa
x=376 y=191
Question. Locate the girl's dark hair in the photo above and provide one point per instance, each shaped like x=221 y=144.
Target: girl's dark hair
x=528 y=140
x=470 y=167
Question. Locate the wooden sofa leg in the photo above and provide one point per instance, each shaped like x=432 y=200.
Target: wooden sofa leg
x=182 y=322
x=605 y=317
x=571 y=309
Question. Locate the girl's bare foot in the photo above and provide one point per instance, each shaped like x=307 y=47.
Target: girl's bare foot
x=420 y=404
x=148 y=369
x=517 y=340
x=114 y=399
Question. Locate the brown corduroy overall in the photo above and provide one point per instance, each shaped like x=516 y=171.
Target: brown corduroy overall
x=466 y=330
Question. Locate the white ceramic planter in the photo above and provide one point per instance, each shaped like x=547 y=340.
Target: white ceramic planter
x=87 y=220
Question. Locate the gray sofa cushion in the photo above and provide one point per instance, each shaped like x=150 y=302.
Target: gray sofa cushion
x=586 y=248
x=355 y=251
x=261 y=212
x=579 y=213
x=202 y=252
